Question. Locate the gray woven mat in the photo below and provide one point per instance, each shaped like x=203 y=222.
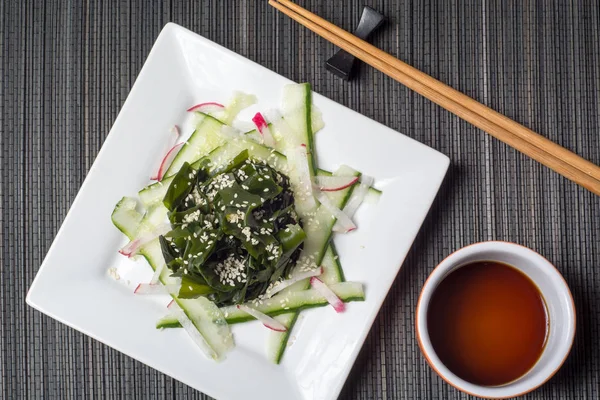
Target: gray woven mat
x=67 y=67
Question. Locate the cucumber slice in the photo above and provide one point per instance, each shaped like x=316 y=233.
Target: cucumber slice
x=218 y=158
x=372 y=196
x=316 y=119
x=204 y=314
x=168 y=321
x=283 y=303
x=210 y=322
x=332 y=274
x=153 y=254
x=276 y=341
x=206 y=137
x=332 y=268
x=316 y=247
x=126 y=218
x=319 y=227
x=297 y=111
x=340 y=197
x=239 y=101
x=156 y=215
x=223 y=154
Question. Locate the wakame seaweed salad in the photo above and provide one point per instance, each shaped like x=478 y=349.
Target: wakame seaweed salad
x=234 y=230
x=238 y=225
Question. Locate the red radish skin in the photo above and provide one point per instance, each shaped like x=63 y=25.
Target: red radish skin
x=156 y=289
x=355 y=201
x=335 y=183
x=259 y=121
x=206 y=107
x=177 y=131
x=337 y=303
x=130 y=249
x=264 y=318
x=263 y=129
x=167 y=160
x=274 y=328
x=308 y=152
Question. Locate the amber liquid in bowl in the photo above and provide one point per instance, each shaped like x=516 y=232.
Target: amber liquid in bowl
x=487 y=322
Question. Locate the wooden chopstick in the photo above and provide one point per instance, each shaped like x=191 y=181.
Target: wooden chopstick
x=510 y=132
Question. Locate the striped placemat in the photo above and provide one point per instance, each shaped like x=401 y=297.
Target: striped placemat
x=67 y=67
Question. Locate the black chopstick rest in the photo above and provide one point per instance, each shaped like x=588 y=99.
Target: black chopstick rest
x=342 y=62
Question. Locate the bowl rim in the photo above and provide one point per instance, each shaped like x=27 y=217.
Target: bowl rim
x=428 y=283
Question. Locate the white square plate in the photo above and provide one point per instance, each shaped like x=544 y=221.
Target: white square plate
x=73 y=285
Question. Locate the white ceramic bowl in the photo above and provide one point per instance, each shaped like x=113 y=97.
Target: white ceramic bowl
x=559 y=303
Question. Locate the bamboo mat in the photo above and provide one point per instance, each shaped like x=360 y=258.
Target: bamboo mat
x=67 y=67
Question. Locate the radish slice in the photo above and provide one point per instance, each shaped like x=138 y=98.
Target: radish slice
x=131 y=248
x=356 y=200
x=191 y=330
x=166 y=161
x=335 y=182
x=298 y=164
x=207 y=108
x=157 y=272
x=264 y=130
x=289 y=282
x=330 y=296
x=153 y=288
x=346 y=224
x=174 y=136
x=267 y=321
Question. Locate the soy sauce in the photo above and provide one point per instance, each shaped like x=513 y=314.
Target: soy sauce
x=487 y=322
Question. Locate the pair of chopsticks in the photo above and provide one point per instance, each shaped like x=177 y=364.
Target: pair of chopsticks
x=530 y=143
